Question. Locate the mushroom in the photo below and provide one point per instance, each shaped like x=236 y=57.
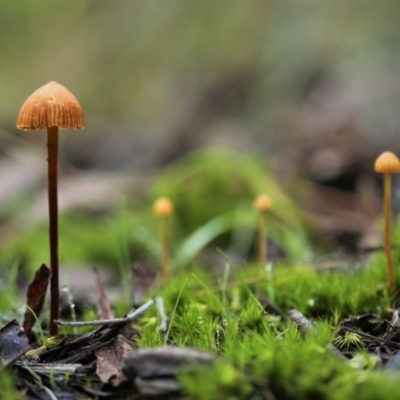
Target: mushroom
x=51 y=107
x=262 y=204
x=388 y=164
x=163 y=208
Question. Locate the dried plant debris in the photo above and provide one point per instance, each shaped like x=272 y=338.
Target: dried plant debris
x=150 y=372
x=375 y=337
x=13 y=342
x=64 y=370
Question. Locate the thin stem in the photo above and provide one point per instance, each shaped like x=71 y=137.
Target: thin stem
x=388 y=220
x=52 y=151
x=262 y=239
x=165 y=267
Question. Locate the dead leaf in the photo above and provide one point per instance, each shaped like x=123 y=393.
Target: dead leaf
x=109 y=357
x=13 y=342
x=35 y=296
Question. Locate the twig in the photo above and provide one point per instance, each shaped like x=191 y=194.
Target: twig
x=161 y=311
x=303 y=324
x=366 y=335
x=132 y=315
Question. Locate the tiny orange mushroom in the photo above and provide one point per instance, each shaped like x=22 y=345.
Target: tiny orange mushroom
x=164 y=208
x=262 y=204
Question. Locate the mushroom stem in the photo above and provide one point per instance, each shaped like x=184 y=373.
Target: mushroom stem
x=165 y=267
x=388 y=220
x=262 y=239
x=52 y=151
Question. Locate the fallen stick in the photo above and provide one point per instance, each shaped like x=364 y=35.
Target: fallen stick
x=132 y=315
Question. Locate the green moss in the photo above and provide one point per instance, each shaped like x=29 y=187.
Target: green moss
x=7 y=384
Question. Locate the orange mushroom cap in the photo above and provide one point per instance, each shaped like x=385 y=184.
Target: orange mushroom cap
x=387 y=163
x=49 y=106
x=262 y=203
x=163 y=207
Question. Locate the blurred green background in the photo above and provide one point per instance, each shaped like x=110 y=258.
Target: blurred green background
x=308 y=90
x=145 y=68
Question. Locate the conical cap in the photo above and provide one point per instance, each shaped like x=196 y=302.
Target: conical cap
x=49 y=106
